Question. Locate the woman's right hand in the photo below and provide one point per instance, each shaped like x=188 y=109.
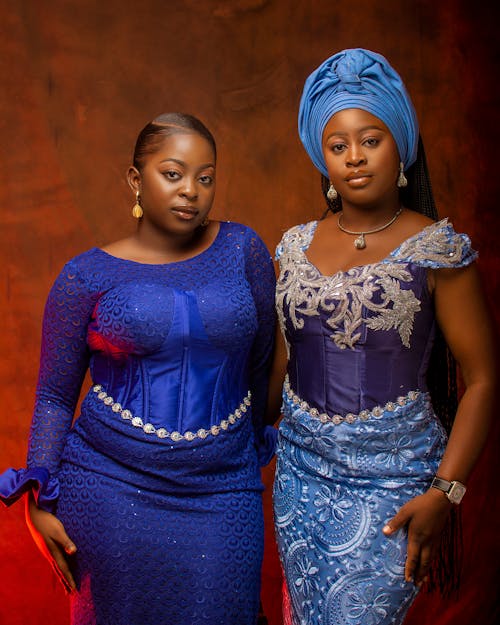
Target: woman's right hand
x=50 y=537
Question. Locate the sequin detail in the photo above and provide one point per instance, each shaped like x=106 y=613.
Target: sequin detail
x=369 y=295
x=149 y=428
x=345 y=295
x=350 y=417
x=133 y=502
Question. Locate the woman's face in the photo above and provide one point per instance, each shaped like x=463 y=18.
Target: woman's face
x=177 y=183
x=361 y=157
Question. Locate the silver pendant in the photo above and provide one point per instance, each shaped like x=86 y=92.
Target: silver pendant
x=359 y=242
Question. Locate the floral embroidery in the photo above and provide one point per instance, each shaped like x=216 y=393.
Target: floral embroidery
x=368 y=606
x=331 y=505
x=282 y=481
x=304 y=290
x=396 y=452
x=304 y=571
x=347 y=296
x=437 y=245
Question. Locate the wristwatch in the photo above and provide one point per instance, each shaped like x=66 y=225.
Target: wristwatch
x=453 y=490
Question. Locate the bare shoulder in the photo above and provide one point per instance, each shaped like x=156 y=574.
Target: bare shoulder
x=408 y=225
x=415 y=221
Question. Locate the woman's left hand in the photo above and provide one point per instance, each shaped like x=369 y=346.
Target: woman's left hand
x=425 y=517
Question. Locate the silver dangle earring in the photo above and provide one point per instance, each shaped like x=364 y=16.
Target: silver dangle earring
x=402 y=181
x=332 y=194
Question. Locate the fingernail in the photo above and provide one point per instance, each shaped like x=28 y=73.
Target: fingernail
x=386 y=529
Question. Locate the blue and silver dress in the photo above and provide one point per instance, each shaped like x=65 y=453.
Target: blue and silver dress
x=158 y=480
x=359 y=437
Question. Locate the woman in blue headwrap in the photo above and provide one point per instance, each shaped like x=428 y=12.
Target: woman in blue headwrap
x=368 y=474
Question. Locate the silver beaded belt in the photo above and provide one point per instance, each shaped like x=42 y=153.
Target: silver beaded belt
x=350 y=417
x=149 y=428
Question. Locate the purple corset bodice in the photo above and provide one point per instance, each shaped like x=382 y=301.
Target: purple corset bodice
x=338 y=379
x=361 y=338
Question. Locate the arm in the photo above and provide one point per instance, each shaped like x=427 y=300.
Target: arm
x=262 y=280
x=464 y=320
x=63 y=364
x=64 y=359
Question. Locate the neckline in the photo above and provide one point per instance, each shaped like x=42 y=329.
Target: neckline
x=174 y=262
x=392 y=254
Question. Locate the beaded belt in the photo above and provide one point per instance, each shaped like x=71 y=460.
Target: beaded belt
x=149 y=428
x=350 y=417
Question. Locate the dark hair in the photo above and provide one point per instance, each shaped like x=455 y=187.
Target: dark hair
x=152 y=135
x=441 y=373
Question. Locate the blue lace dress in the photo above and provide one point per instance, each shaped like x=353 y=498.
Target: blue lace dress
x=158 y=480
x=359 y=437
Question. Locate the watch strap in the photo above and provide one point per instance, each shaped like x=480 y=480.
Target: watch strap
x=454 y=490
x=441 y=484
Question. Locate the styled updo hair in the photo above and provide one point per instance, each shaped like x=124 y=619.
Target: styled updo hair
x=153 y=134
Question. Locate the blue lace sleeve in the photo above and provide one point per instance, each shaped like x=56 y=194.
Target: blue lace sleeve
x=262 y=279
x=63 y=364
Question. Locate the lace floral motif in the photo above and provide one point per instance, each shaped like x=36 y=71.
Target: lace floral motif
x=437 y=246
x=347 y=297
x=344 y=295
x=340 y=477
x=330 y=505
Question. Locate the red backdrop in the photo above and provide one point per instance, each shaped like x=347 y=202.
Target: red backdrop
x=79 y=80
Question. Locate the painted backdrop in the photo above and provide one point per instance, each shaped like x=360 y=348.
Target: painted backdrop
x=79 y=80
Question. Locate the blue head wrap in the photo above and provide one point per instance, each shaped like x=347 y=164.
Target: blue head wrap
x=361 y=79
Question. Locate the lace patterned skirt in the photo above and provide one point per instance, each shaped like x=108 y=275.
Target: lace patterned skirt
x=145 y=558
x=336 y=486
x=166 y=532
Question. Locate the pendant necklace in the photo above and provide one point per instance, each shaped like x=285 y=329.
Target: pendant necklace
x=359 y=241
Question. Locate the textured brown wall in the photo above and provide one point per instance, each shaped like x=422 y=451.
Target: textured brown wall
x=79 y=80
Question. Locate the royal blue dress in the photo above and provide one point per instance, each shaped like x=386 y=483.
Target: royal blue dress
x=359 y=437
x=158 y=480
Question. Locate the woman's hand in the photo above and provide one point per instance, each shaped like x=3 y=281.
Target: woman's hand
x=50 y=537
x=425 y=517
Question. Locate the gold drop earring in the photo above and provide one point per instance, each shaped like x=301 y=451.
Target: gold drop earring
x=137 y=211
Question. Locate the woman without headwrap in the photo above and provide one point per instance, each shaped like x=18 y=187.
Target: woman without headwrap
x=366 y=475
x=149 y=507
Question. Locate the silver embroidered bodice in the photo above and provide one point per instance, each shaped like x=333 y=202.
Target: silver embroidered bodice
x=362 y=337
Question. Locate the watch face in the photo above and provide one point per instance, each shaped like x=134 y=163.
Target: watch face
x=456 y=492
